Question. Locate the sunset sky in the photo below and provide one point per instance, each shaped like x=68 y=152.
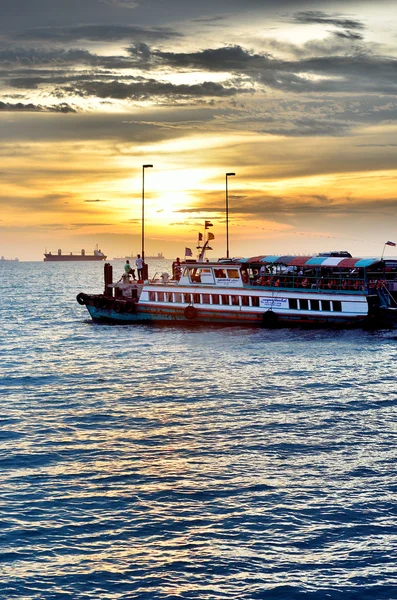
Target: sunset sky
x=298 y=98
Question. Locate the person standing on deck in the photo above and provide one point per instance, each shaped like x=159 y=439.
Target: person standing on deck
x=176 y=269
x=139 y=266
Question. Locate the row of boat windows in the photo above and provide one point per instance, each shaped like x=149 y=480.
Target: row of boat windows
x=206 y=275
x=304 y=304
x=234 y=300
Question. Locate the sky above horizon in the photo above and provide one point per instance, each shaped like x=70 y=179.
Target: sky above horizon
x=298 y=98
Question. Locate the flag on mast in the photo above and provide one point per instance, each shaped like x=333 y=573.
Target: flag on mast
x=188 y=252
x=200 y=237
x=210 y=236
x=390 y=244
x=208 y=224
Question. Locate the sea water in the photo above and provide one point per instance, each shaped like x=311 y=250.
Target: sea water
x=169 y=462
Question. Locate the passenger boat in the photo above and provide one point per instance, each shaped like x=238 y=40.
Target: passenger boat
x=331 y=289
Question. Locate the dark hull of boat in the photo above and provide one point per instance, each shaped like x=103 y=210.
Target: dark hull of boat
x=128 y=312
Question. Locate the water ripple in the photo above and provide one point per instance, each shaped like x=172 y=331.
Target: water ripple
x=196 y=462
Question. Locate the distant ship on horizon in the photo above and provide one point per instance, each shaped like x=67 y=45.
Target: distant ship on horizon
x=2 y=259
x=158 y=256
x=59 y=257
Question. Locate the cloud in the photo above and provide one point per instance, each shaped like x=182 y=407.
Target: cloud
x=349 y=35
x=277 y=208
x=214 y=19
x=226 y=59
x=142 y=89
x=97 y=33
x=95 y=200
x=20 y=107
x=327 y=73
x=33 y=57
x=121 y=3
x=310 y=17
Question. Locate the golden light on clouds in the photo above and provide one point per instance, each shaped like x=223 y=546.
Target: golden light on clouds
x=299 y=102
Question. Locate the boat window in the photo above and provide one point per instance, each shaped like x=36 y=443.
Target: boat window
x=293 y=303
x=152 y=296
x=206 y=298
x=215 y=299
x=337 y=306
x=233 y=274
x=235 y=300
x=245 y=301
x=220 y=273
x=196 y=298
x=254 y=301
x=314 y=304
x=304 y=304
x=202 y=275
x=169 y=297
x=188 y=298
x=186 y=272
x=225 y=299
x=325 y=305
x=160 y=296
x=195 y=275
x=178 y=297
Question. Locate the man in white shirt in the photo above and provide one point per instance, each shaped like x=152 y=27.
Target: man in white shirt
x=139 y=266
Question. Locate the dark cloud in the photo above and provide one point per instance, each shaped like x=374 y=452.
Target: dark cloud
x=310 y=17
x=33 y=57
x=227 y=58
x=278 y=208
x=20 y=107
x=349 y=35
x=151 y=88
x=121 y=3
x=95 y=200
x=214 y=19
x=343 y=73
x=103 y=127
x=98 y=33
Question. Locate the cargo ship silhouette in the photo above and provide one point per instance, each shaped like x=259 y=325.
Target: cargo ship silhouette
x=59 y=257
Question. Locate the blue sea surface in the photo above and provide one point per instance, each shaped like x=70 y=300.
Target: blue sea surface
x=168 y=462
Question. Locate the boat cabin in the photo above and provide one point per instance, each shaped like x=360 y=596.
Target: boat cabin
x=211 y=274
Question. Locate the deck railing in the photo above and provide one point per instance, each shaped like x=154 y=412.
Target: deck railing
x=309 y=282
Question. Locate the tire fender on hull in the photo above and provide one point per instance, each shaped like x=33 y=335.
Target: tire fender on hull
x=119 y=307
x=270 y=319
x=102 y=302
x=130 y=307
x=190 y=312
x=82 y=299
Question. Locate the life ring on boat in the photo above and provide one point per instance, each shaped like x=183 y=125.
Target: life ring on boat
x=82 y=298
x=270 y=319
x=190 y=312
x=119 y=307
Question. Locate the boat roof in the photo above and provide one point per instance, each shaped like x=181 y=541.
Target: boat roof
x=312 y=261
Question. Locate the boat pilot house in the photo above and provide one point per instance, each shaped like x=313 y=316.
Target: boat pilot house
x=327 y=289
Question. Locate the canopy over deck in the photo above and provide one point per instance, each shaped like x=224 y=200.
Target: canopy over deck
x=312 y=261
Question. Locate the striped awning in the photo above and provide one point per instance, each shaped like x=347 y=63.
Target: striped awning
x=312 y=261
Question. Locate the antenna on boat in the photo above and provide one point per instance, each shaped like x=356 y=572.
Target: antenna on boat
x=143 y=209
x=227 y=214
